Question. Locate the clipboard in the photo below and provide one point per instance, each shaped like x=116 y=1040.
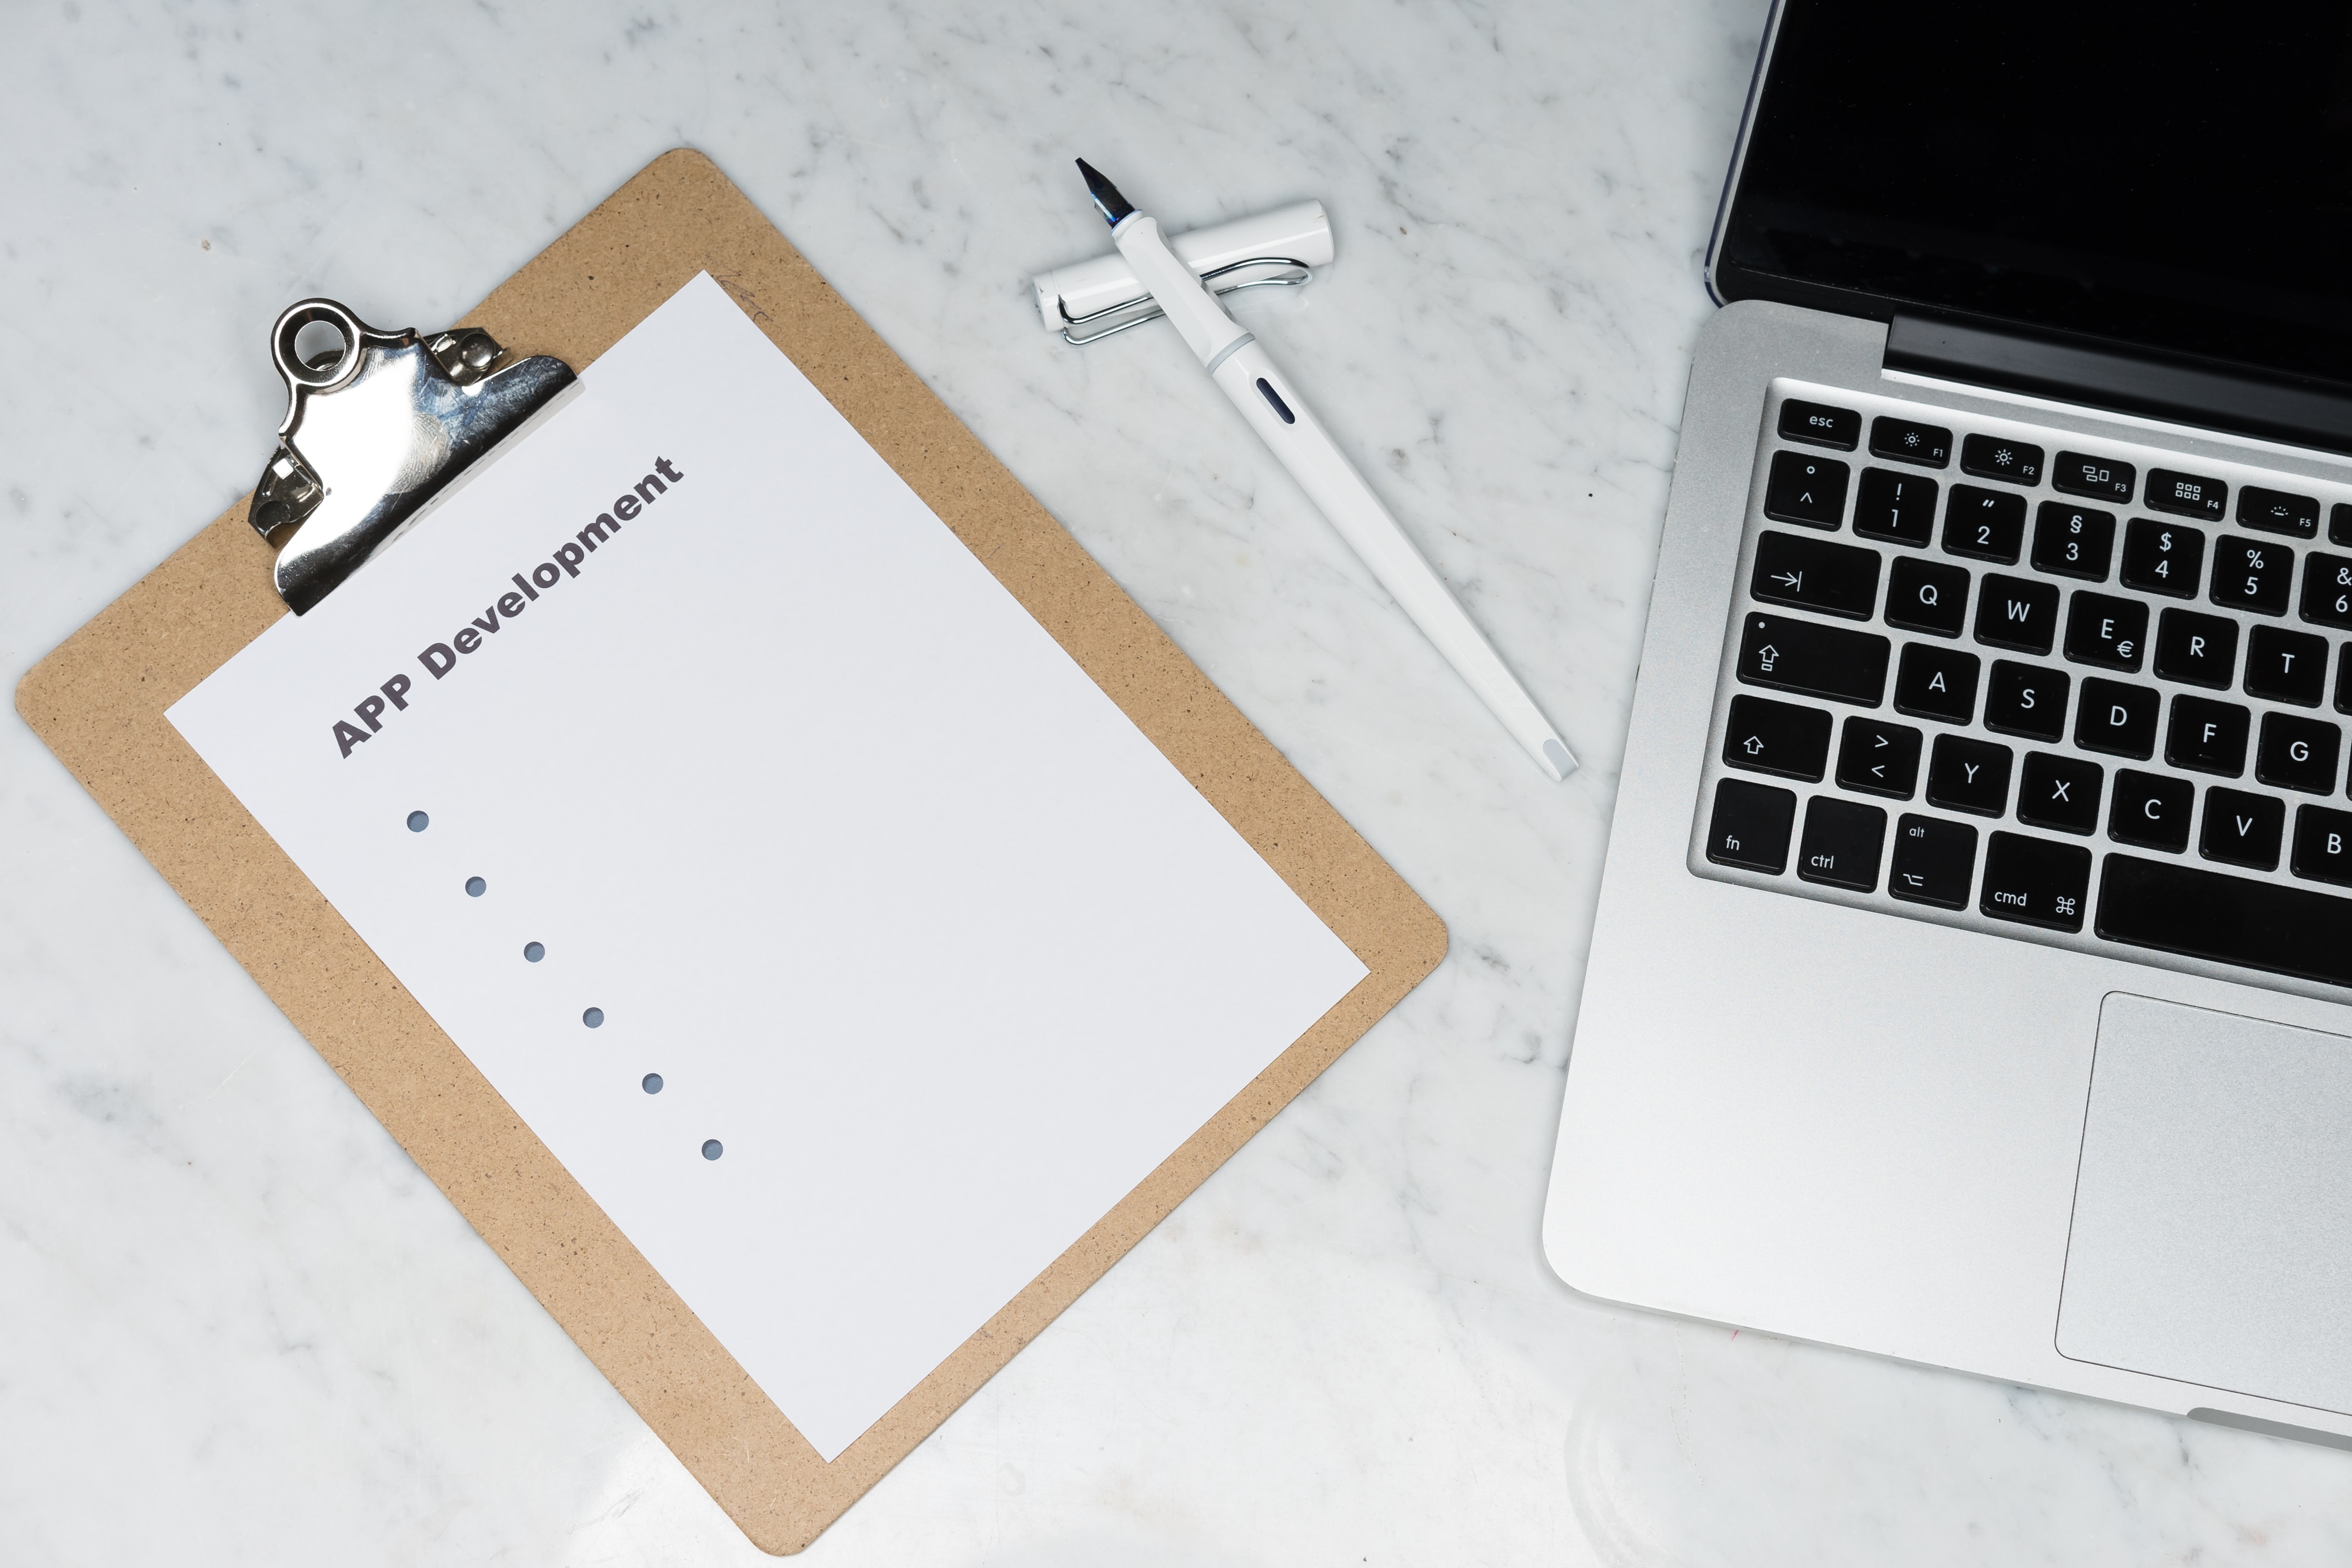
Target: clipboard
x=99 y=701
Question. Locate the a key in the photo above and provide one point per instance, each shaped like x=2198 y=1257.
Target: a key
x=1878 y=758
x=2017 y=612
x=1751 y=826
x=1805 y=488
x=1993 y=458
x=2327 y=591
x=1911 y=441
x=2104 y=630
x=1842 y=844
x=2242 y=829
x=1936 y=683
x=1971 y=775
x=1988 y=525
x=2277 y=511
x=2073 y=541
x=1791 y=654
x=2033 y=882
x=2102 y=478
x=2026 y=699
x=1820 y=424
x=2298 y=754
x=2151 y=810
x=2186 y=495
x=1768 y=737
x=2207 y=737
x=2116 y=719
x=2251 y=574
x=2323 y=845
x=2197 y=649
x=1815 y=574
x=1926 y=595
x=1933 y=861
x=2163 y=557
x=2187 y=910
x=2061 y=792
x=1895 y=506
x=2286 y=667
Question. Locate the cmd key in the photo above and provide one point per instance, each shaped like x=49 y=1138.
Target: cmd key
x=2035 y=882
x=1805 y=656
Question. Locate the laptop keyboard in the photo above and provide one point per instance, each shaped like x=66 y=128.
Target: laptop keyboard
x=1993 y=676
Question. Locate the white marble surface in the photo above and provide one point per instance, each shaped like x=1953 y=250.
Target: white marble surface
x=241 y=1328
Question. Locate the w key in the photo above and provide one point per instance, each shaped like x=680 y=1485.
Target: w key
x=1815 y=574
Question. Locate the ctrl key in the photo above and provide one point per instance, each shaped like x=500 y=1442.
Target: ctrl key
x=2035 y=882
x=1750 y=827
x=1935 y=861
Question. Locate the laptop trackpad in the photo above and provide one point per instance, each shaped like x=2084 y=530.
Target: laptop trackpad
x=2212 y=1237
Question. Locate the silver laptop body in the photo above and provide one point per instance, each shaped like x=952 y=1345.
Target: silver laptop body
x=2076 y=1112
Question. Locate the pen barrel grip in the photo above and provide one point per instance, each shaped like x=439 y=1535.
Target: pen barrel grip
x=1275 y=410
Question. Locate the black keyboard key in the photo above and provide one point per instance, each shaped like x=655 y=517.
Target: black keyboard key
x=1911 y=441
x=1992 y=457
x=2163 y=557
x=1933 y=861
x=2286 y=667
x=2198 y=913
x=2102 y=478
x=1936 y=683
x=2277 y=511
x=1805 y=488
x=2327 y=591
x=1842 y=842
x=2197 y=649
x=1897 y=506
x=2151 y=810
x=1791 y=654
x=2026 y=699
x=2207 y=737
x=2073 y=540
x=1988 y=525
x=1768 y=737
x=2059 y=792
x=2035 y=882
x=2298 y=754
x=1820 y=424
x=1878 y=758
x=2339 y=524
x=2017 y=612
x=1971 y=775
x=1751 y=826
x=2116 y=719
x=2186 y=495
x=2242 y=830
x=1926 y=595
x=2251 y=574
x=2323 y=845
x=2107 y=631
x=2343 y=680
x=1815 y=574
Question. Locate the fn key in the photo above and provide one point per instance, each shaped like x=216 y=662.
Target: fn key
x=1751 y=826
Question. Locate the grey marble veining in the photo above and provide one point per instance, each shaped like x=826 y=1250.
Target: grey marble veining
x=243 y=1329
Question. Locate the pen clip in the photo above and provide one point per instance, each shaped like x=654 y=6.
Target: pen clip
x=1293 y=274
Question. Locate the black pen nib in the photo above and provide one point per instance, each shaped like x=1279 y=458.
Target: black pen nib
x=1107 y=201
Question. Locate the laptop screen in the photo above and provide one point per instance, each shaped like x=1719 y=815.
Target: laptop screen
x=2176 y=178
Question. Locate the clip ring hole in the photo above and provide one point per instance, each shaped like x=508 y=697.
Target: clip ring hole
x=317 y=344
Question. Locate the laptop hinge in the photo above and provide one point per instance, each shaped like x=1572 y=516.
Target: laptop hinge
x=2301 y=410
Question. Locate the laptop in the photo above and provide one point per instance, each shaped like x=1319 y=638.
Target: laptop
x=1971 y=981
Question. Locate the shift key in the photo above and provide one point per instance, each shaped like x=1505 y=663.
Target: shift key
x=1790 y=655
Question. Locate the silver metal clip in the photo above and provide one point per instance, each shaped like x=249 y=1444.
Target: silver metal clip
x=1143 y=308
x=377 y=424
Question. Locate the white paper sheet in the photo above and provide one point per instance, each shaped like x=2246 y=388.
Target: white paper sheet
x=903 y=910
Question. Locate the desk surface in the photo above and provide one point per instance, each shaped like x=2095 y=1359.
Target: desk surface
x=243 y=1329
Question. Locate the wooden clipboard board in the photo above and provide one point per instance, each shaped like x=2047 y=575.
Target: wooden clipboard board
x=99 y=701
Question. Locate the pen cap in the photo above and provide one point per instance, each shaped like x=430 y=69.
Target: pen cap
x=1300 y=232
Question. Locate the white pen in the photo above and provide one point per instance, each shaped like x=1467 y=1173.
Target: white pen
x=1283 y=420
